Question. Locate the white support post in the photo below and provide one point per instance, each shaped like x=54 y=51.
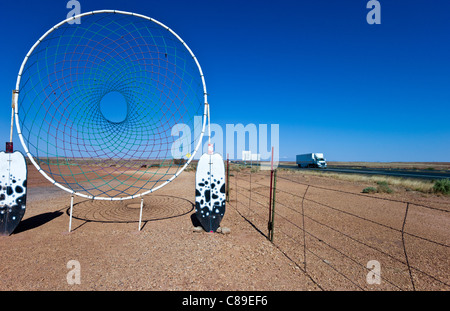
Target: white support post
x=71 y=209
x=140 y=214
x=13 y=107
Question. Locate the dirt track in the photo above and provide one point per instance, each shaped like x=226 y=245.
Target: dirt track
x=167 y=255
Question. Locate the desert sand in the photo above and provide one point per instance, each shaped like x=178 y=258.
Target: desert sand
x=166 y=254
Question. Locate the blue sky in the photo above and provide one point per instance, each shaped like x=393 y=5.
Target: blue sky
x=333 y=83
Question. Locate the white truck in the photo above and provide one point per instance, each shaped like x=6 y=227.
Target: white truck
x=311 y=160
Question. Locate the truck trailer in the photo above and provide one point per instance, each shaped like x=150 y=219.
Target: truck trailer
x=311 y=160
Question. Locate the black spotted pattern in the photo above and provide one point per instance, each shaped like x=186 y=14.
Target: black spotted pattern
x=210 y=202
x=12 y=195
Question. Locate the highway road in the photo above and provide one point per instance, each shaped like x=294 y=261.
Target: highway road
x=419 y=174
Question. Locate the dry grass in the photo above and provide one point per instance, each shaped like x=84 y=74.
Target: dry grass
x=409 y=184
x=395 y=165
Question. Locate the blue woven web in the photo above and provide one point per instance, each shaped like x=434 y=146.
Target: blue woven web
x=61 y=91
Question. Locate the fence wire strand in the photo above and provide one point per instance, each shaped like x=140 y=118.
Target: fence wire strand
x=250 y=186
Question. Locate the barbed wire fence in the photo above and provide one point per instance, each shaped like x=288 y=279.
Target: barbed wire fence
x=332 y=234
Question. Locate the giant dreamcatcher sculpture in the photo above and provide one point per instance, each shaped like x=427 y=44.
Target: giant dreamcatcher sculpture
x=64 y=129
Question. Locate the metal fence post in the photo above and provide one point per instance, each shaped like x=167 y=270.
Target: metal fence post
x=228 y=180
x=269 y=224
x=404 y=247
x=304 y=236
x=273 y=204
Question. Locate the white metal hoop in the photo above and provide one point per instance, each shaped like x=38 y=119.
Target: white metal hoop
x=16 y=106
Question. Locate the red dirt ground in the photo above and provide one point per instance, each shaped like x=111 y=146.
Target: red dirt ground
x=167 y=255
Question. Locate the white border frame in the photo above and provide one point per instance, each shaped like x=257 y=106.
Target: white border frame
x=16 y=98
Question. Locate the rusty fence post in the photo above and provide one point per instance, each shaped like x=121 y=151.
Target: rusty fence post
x=227 y=181
x=269 y=223
x=273 y=205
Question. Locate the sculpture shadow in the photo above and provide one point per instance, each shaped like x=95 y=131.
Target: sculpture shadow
x=36 y=221
x=117 y=212
x=195 y=221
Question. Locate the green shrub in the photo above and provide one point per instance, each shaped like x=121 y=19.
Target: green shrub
x=442 y=186
x=179 y=161
x=369 y=190
x=255 y=170
x=235 y=168
x=383 y=187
